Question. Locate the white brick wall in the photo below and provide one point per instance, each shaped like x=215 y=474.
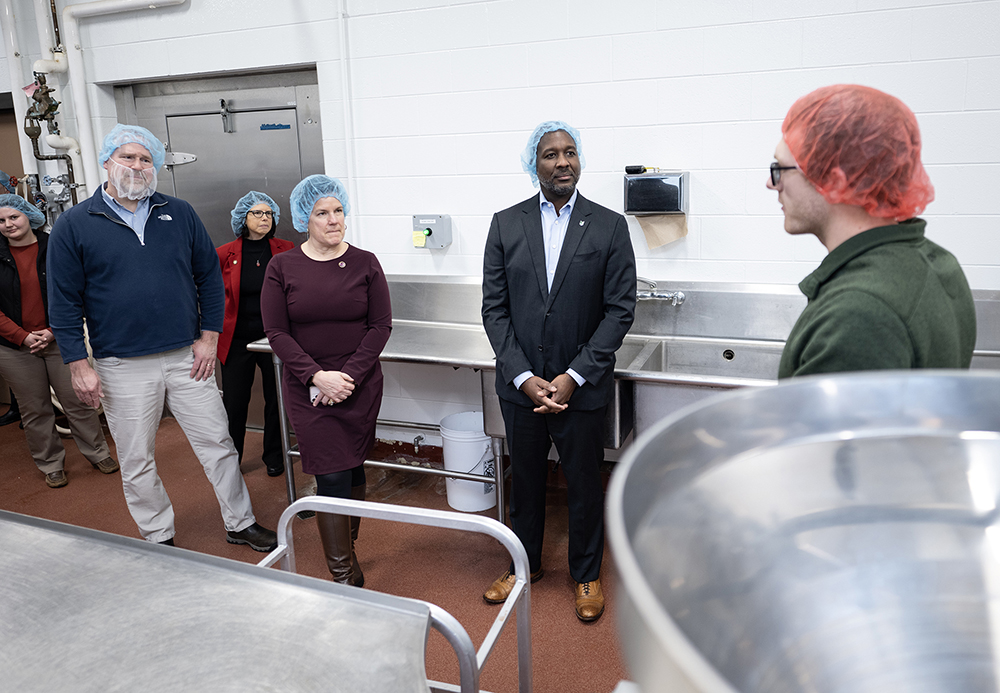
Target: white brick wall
x=446 y=92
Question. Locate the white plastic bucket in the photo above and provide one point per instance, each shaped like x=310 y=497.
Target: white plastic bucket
x=467 y=449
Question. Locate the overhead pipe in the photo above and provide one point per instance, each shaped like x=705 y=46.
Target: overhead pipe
x=48 y=33
x=13 y=49
x=347 y=101
x=74 y=51
x=48 y=40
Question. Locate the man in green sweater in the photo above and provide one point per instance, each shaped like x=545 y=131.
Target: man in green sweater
x=848 y=171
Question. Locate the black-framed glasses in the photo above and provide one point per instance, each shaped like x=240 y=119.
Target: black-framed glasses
x=260 y=213
x=776 y=170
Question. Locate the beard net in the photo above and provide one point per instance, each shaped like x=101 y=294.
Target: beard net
x=132 y=184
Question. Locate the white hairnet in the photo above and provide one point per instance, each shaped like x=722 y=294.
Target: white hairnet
x=308 y=191
x=528 y=157
x=243 y=205
x=125 y=134
x=35 y=217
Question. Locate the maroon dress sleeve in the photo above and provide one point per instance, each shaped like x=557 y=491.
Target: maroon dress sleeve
x=277 y=325
x=365 y=357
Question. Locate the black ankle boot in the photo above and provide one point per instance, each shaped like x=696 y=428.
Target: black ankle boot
x=13 y=414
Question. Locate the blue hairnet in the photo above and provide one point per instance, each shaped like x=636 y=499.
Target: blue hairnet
x=528 y=162
x=35 y=217
x=308 y=191
x=125 y=134
x=251 y=199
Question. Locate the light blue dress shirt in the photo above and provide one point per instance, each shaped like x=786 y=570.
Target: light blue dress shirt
x=554 y=225
x=136 y=220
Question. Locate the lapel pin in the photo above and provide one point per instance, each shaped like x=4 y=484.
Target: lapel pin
x=581 y=222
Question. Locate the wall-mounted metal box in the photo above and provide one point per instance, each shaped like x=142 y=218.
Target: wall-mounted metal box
x=656 y=193
x=431 y=230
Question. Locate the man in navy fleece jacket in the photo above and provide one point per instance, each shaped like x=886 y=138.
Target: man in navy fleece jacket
x=142 y=270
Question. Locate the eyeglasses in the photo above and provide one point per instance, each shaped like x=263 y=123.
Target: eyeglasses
x=776 y=170
x=260 y=213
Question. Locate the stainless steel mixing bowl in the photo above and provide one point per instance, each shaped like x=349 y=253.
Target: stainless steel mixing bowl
x=830 y=534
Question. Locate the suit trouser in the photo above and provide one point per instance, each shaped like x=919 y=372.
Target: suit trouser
x=579 y=440
x=29 y=376
x=237 y=382
x=134 y=389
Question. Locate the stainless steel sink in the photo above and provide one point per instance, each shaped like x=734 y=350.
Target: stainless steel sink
x=709 y=357
x=668 y=374
x=722 y=336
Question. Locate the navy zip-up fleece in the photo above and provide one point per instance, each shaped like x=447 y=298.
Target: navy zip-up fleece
x=138 y=299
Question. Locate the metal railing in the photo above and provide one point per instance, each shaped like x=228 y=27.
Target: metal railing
x=470 y=661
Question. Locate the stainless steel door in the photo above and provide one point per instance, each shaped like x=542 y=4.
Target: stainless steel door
x=262 y=153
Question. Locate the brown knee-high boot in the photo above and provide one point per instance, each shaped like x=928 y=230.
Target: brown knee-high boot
x=335 y=533
x=357 y=493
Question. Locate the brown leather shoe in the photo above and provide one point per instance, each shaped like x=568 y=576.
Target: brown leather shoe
x=56 y=479
x=502 y=586
x=106 y=466
x=589 y=600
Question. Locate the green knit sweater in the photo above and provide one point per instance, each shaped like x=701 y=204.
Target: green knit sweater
x=887 y=298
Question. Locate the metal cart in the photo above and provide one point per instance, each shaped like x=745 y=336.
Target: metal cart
x=83 y=610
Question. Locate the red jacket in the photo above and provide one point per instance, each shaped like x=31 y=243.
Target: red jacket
x=230 y=257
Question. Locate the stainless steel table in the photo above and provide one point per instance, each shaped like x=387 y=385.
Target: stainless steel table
x=413 y=342
x=82 y=610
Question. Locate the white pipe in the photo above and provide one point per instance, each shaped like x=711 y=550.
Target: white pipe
x=50 y=66
x=72 y=148
x=74 y=52
x=46 y=40
x=348 y=105
x=13 y=50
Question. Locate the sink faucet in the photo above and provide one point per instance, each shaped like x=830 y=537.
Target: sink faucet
x=675 y=297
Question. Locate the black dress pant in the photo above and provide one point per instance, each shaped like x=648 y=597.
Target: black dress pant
x=237 y=381
x=579 y=440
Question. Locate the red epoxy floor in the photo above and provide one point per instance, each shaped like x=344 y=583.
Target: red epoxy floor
x=445 y=567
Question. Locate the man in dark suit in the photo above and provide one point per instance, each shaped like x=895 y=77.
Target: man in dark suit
x=558 y=298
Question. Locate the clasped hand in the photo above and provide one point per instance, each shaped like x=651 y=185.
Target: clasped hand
x=38 y=340
x=334 y=387
x=549 y=397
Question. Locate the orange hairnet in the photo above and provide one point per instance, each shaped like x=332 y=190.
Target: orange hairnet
x=860 y=146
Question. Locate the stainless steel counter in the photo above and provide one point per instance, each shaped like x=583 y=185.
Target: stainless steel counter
x=447 y=344
x=723 y=336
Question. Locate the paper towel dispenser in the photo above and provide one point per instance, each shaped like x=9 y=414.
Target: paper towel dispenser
x=656 y=193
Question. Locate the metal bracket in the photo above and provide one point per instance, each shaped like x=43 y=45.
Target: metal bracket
x=227 y=117
x=179 y=158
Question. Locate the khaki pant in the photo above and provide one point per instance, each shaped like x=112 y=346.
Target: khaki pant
x=29 y=377
x=134 y=390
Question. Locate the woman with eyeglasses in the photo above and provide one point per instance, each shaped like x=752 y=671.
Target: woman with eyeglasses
x=244 y=261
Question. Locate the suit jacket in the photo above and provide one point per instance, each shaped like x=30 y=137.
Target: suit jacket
x=230 y=262
x=581 y=322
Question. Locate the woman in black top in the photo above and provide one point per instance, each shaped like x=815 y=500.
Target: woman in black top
x=243 y=262
x=29 y=357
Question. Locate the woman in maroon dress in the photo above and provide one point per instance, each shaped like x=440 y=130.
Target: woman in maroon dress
x=326 y=314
